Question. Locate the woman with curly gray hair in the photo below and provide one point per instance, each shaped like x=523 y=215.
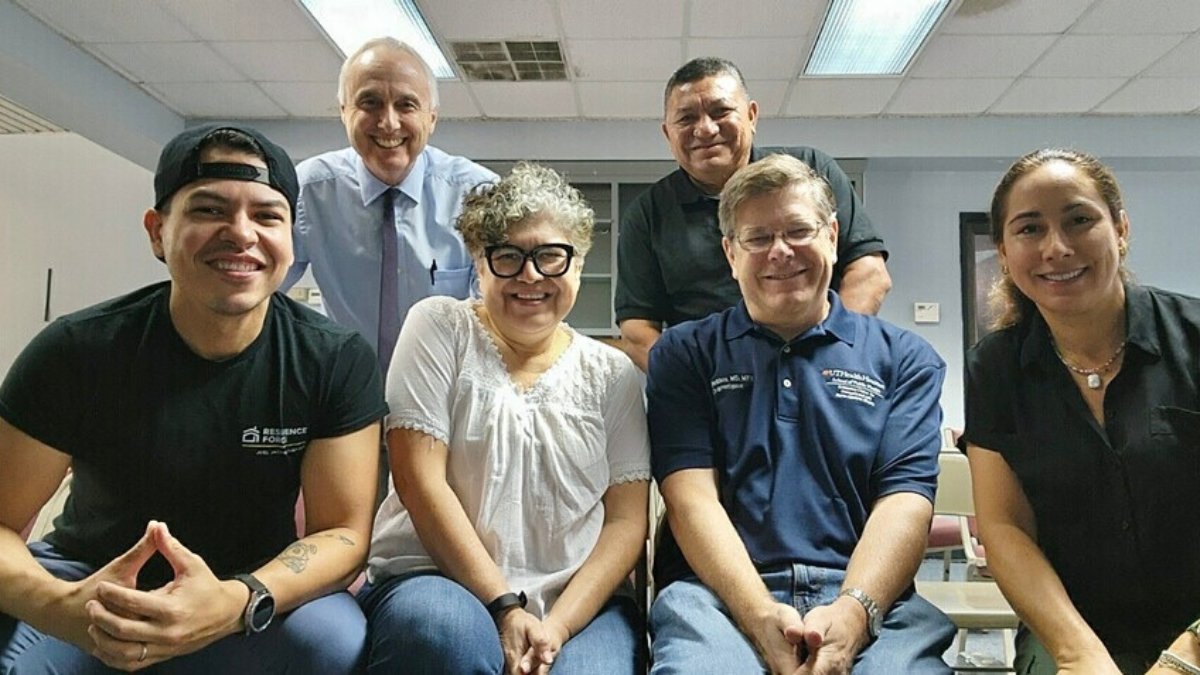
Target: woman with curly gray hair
x=519 y=458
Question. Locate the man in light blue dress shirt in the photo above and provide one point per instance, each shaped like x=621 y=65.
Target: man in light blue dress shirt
x=389 y=105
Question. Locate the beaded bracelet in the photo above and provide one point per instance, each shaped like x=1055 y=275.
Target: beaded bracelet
x=1170 y=660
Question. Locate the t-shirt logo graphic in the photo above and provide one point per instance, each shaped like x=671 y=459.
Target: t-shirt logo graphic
x=274 y=440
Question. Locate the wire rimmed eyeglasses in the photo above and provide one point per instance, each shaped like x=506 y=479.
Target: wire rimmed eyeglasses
x=758 y=241
x=550 y=260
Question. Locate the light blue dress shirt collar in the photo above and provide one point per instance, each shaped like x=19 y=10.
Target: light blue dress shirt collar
x=371 y=188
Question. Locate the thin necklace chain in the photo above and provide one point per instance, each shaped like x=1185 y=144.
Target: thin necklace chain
x=1098 y=370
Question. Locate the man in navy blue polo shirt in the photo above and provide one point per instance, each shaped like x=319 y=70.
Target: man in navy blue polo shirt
x=795 y=444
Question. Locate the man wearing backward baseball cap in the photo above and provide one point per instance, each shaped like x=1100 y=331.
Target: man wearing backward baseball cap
x=190 y=413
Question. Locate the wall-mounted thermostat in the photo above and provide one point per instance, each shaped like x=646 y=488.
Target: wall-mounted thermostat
x=927 y=312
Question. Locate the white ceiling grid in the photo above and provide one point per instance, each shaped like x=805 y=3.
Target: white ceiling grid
x=267 y=59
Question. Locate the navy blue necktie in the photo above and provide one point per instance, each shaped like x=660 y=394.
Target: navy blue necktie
x=389 y=281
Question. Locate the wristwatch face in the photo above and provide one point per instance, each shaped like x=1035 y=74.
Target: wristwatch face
x=260 y=612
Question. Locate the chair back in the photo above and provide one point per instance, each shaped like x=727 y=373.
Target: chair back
x=954 y=496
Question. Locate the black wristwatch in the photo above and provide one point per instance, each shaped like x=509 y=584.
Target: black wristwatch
x=506 y=602
x=260 y=609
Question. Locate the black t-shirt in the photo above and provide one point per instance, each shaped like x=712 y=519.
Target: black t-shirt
x=213 y=449
x=1115 y=506
x=670 y=264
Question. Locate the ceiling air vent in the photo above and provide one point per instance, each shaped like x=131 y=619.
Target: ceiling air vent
x=16 y=120
x=510 y=60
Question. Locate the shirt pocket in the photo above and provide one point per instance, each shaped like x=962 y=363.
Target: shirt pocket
x=455 y=282
x=1181 y=423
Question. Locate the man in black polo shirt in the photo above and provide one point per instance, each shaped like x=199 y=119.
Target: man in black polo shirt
x=669 y=259
x=191 y=412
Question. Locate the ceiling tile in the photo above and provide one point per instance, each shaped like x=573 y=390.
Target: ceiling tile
x=304 y=99
x=1125 y=17
x=625 y=60
x=530 y=100
x=763 y=18
x=952 y=96
x=840 y=97
x=620 y=19
x=625 y=100
x=1154 y=95
x=242 y=20
x=1011 y=17
x=769 y=94
x=170 y=62
x=510 y=19
x=979 y=55
x=1055 y=95
x=306 y=61
x=219 y=100
x=110 y=20
x=760 y=59
x=1179 y=62
x=454 y=101
x=1102 y=55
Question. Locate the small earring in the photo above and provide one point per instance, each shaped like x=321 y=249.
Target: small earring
x=1004 y=270
x=1123 y=248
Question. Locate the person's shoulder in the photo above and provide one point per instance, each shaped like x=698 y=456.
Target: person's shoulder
x=695 y=333
x=997 y=352
x=455 y=169
x=597 y=351
x=326 y=166
x=307 y=320
x=901 y=341
x=100 y=326
x=1185 y=306
x=129 y=307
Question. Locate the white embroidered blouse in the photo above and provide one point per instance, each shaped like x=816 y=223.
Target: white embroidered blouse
x=529 y=467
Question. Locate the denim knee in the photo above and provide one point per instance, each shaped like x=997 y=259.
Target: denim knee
x=427 y=623
x=692 y=632
x=608 y=645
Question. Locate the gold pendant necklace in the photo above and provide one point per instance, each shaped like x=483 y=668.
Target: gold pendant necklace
x=1094 y=381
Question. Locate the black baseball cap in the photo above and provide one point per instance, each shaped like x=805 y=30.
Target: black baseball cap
x=179 y=164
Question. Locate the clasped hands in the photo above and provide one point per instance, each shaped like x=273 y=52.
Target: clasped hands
x=824 y=642
x=130 y=629
x=530 y=645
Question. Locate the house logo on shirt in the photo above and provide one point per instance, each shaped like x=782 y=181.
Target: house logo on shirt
x=274 y=440
x=853 y=386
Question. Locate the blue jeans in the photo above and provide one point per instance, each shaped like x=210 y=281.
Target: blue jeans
x=426 y=623
x=326 y=635
x=693 y=632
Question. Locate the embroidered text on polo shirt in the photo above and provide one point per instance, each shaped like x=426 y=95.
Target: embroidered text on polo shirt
x=853 y=386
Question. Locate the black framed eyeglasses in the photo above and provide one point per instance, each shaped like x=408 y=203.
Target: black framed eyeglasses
x=550 y=260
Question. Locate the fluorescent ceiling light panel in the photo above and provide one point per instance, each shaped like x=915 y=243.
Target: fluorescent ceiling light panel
x=872 y=37
x=350 y=23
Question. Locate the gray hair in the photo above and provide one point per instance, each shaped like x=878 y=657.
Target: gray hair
x=769 y=174
x=529 y=190
x=389 y=44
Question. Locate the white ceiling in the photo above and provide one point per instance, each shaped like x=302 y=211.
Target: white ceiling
x=267 y=59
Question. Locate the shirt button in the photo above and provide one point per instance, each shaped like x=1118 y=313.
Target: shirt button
x=787 y=384
x=787 y=349
x=1125 y=525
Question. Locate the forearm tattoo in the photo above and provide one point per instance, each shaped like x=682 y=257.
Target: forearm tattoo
x=297 y=555
x=340 y=537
